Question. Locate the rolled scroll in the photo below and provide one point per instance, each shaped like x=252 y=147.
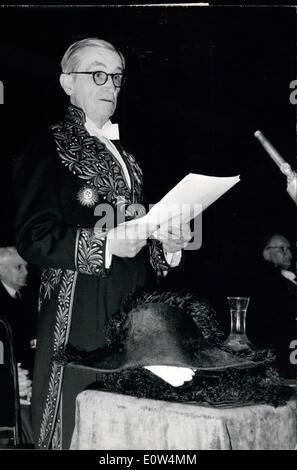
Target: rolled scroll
x=284 y=167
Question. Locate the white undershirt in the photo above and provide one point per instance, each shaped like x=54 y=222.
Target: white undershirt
x=12 y=292
x=289 y=275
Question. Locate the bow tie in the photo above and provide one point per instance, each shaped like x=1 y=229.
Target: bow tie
x=109 y=131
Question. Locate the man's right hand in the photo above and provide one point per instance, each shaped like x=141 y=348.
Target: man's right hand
x=127 y=240
x=25 y=384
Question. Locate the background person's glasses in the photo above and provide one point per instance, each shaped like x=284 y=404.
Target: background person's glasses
x=100 y=77
x=282 y=249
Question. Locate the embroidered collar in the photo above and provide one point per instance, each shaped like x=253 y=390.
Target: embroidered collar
x=75 y=115
x=92 y=161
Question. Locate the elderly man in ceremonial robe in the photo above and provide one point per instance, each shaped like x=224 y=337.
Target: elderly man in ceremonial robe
x=63 y=176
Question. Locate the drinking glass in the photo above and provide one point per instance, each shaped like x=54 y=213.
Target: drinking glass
x=237 y=339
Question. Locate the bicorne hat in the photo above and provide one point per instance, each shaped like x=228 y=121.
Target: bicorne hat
x=159 y=329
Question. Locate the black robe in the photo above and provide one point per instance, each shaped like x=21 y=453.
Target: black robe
x=55 y=230
x=271 y=316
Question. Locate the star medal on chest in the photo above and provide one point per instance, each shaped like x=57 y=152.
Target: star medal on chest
x=88 y=196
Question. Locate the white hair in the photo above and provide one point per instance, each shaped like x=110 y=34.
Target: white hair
x=6 y=253
x=72 y=56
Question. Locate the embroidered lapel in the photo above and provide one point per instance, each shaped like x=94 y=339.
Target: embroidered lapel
x=89 y=159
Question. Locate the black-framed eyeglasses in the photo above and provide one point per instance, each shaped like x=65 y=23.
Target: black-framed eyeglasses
x=100 y=77
x=283 y=249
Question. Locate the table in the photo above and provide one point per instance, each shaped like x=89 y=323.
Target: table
x=109 y=421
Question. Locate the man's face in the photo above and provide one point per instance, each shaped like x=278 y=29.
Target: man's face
x=98 y=102
x=13 y=271
x=278 y=252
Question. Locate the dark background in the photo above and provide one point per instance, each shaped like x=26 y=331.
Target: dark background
x=200 y=82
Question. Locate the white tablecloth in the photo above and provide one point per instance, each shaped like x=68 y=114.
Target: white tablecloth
x=108 y=421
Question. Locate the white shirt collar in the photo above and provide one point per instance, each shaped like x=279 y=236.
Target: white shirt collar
x=289 y=275
x=108 y=130
x=12 y=292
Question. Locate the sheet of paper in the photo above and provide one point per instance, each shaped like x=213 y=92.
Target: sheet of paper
x=193 y=194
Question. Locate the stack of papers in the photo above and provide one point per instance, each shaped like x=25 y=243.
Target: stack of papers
x=192 y=195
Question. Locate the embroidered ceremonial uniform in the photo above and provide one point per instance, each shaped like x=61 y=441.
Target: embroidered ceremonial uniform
x=60 y=181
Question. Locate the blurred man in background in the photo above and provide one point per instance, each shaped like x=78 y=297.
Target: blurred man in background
x=19 y=310
x=271 y=320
